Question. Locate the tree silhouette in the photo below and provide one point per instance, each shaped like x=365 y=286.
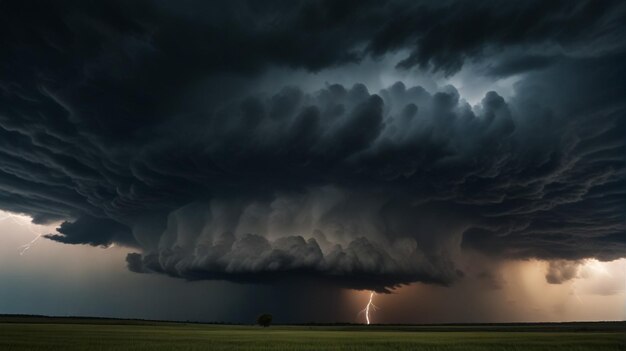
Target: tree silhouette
x=264 y=320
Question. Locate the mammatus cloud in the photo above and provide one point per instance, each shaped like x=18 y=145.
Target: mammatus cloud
x=364 y=189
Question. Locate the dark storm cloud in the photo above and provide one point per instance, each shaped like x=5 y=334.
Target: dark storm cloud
x=113 y=41
x=358 y=188
x=520 y=64
x=95 y=231
x=444 y=35
x=561 y=271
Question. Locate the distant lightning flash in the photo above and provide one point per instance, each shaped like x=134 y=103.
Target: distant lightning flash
x=25 y=222
x=370 y=306
x=25 y=247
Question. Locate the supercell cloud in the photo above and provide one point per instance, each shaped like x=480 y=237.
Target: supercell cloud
x=144 y=124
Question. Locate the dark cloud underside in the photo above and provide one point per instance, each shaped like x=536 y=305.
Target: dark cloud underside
x=360 y=188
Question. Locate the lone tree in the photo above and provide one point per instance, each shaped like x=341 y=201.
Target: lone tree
x=264 y=320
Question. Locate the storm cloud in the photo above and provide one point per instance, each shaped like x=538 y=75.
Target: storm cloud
x=141 y=124
x=562 y=271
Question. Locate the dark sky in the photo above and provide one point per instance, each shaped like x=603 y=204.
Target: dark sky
x=305 y=148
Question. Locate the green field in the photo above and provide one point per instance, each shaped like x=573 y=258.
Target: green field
x=80 y=335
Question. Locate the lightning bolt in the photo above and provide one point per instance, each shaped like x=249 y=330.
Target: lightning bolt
x=22 y=221
x=369 y=307
x=25 y=247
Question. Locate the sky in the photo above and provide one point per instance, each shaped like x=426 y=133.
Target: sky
x=464 y=161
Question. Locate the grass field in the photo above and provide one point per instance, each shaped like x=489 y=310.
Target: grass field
x=96 y=336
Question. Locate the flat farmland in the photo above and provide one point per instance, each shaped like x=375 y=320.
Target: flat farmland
x=103 y=335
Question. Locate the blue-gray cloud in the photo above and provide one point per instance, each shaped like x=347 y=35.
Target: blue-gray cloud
x=366 y=189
